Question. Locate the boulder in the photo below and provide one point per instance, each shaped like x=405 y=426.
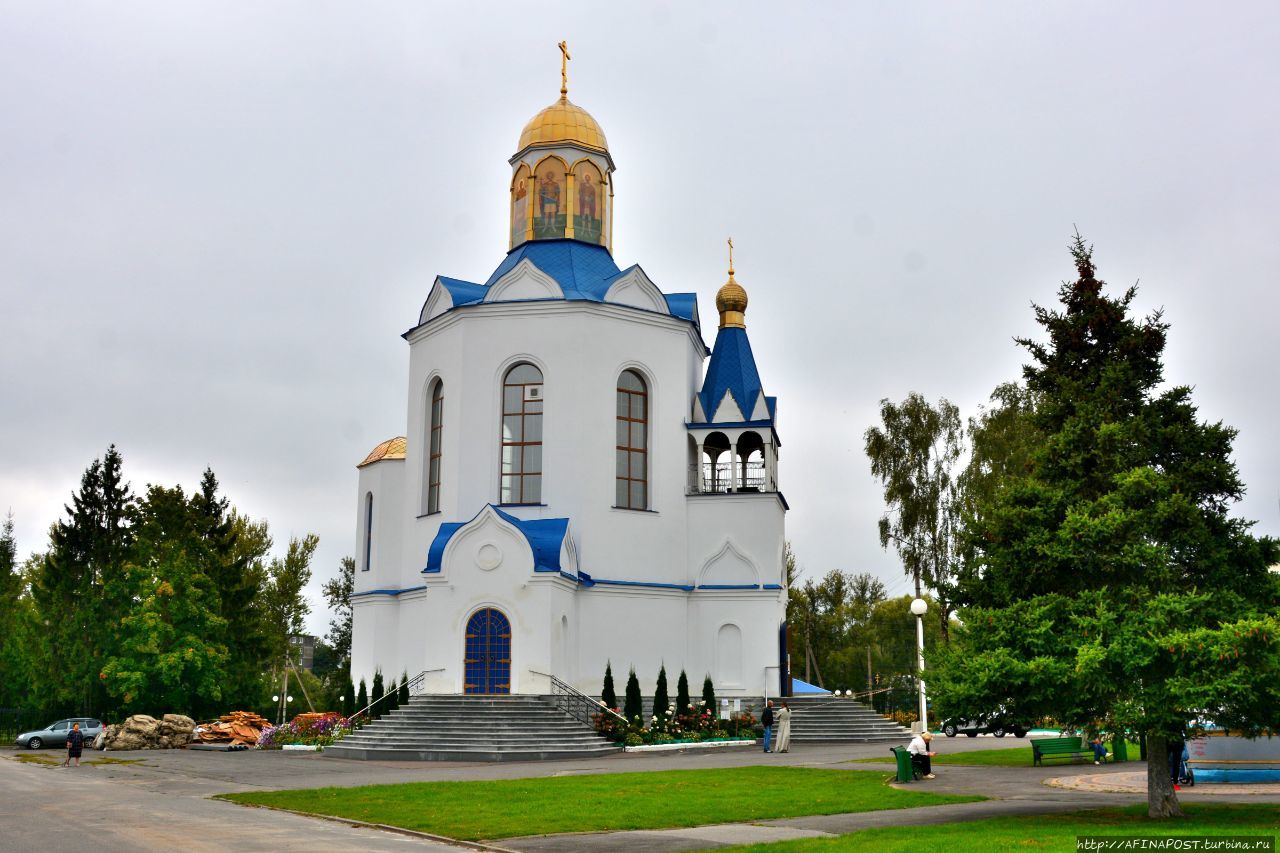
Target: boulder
x=142 y=731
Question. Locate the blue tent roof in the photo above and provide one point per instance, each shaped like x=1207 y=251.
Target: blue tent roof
x=800 y=688
x=544 y=536
x=583 y=271
x=732 y=368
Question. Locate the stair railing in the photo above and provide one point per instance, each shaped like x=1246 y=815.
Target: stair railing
x=577 y=704
x=415 y=688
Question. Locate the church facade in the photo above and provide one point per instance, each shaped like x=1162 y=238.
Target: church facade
x=581 y=481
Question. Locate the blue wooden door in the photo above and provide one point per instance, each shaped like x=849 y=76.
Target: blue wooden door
x=488 y=653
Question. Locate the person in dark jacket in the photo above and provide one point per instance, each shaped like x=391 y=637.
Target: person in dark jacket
x=766 y=720
x=75 y=744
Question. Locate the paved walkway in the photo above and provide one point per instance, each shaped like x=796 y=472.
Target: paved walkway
x=161 y=803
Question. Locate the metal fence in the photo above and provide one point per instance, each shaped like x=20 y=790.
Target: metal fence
x=15 y=721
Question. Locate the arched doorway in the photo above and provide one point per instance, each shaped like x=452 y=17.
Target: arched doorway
x=487 y=658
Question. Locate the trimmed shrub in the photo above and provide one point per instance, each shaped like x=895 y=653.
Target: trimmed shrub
x=709 y=697
x=661 y=703
x=682 y=694
x=634 y=708
x=607 y=695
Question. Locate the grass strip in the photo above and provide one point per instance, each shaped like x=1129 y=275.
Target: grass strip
x=506 y=808
x=1043 y=832
x=1018 y=756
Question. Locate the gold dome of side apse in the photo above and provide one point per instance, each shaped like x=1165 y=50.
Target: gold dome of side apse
x=563 y=121
x=392 y=448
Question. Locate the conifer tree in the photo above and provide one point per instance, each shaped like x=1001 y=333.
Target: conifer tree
x=633 y=710
x=362 y=698
x=1109 y=584
x=349 y=698
x=661 y=702
x=403 y=698
x=709 y=696
x=80 y=590
x=682 y=694
x=376 y=693
x=607 y=695
x=393 y=697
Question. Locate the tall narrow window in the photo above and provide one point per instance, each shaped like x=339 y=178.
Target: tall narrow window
x=368 y=530
x=522 y=435
x=433 y=447
x=632 y=442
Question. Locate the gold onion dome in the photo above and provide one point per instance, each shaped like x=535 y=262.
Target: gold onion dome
x=392 y=448
x=563 y=121
x=731 y=300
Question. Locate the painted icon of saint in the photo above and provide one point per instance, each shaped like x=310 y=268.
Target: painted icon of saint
x=549 y=196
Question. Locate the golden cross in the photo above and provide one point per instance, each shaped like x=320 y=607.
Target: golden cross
x=564 y=68
x=730 y=256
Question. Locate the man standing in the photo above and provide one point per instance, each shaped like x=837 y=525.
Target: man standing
x=920 y=754
x=766 y=720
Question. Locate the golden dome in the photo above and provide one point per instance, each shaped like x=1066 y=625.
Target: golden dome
x=563 y=121
x=392 y=448
x=731 y=300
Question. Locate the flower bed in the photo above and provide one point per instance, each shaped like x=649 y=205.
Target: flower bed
x=697 y=725
x=308 y=731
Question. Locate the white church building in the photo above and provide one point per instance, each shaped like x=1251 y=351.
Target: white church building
x=581 y=480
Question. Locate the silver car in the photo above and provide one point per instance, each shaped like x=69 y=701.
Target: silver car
x=55 y=734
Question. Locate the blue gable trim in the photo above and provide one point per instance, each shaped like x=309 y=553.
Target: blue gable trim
x=390 y=592
x=544 y=536
x=728 y=586
x=650 y=584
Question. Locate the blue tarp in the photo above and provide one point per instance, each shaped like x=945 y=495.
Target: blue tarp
x=800 y=688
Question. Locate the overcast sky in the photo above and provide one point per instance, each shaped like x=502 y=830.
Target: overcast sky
x=217 y=218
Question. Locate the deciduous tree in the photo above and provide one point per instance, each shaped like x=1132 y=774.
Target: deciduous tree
x=914 y=453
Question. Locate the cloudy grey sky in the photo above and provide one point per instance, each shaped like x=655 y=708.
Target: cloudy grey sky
x=216 y=218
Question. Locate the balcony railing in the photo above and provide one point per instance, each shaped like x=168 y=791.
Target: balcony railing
x=717 y=478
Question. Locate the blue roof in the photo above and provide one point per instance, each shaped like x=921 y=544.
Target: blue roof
x=544 y=536
x=584 y=272
x=732 y=368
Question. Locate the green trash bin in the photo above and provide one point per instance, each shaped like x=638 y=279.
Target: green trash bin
x=904 y=764
x=1119 y=749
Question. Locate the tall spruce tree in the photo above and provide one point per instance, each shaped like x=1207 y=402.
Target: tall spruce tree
x=81 y=592
x=682 y=694
x=362 y=697
x=1110 y=587
x=376 y=693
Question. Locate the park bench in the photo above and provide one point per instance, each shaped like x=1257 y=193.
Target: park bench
x=907 y=770
x=1056 y=747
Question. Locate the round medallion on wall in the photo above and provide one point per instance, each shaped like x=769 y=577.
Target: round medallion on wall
x=488 y=556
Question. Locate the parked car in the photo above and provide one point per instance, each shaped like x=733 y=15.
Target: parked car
x=55 y=734
x=995 y=725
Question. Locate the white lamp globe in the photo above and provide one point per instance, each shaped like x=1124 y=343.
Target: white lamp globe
x=288 y=698
x=275 y=698
x=919 y=607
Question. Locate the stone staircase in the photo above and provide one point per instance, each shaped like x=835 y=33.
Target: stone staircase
x=474 y=728
x=825 y=718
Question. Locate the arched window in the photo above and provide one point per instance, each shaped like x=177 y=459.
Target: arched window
x=434 y=438
x=368 y=531
x=522 y=435
x=632 y=451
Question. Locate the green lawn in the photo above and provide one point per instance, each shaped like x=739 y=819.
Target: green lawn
x=614 y=801
x=1018 y=756
x=1042 y=832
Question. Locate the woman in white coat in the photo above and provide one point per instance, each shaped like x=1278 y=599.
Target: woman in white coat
x=782 y=727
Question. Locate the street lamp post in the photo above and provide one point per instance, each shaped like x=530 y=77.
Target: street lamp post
x=919 y=607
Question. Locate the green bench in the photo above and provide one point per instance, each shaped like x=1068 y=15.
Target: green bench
x=907 y=770
x=1057 y=747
